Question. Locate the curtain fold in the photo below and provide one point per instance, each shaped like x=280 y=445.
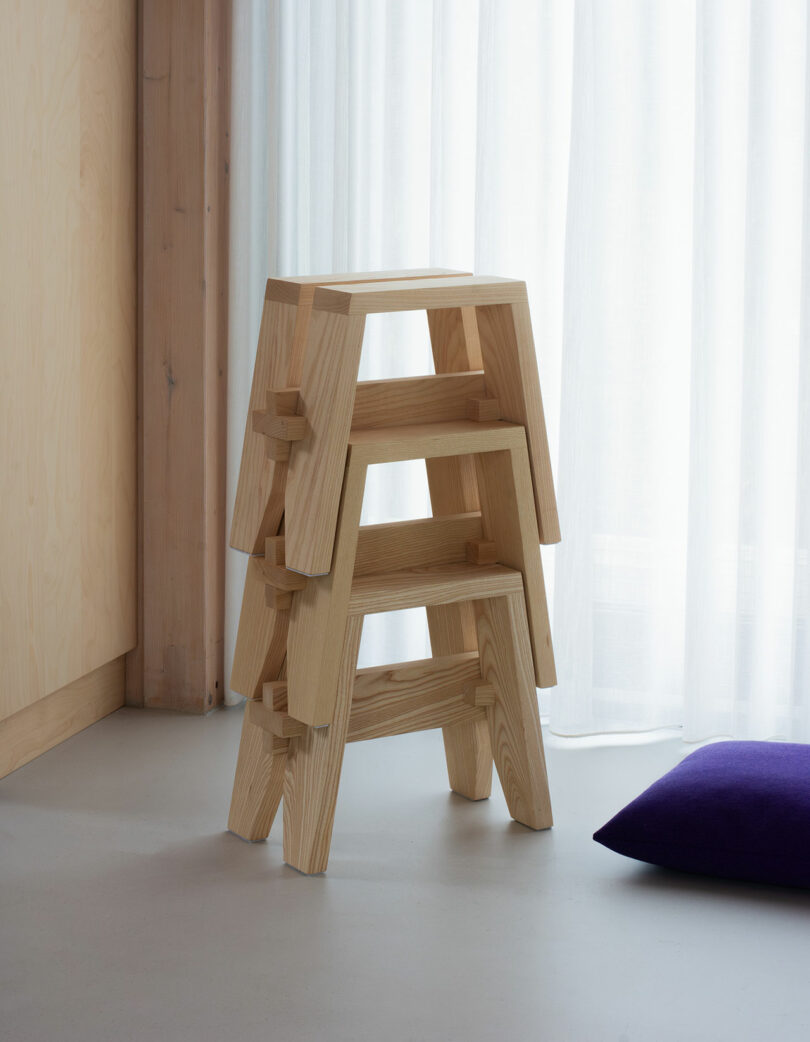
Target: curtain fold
x=643 y=165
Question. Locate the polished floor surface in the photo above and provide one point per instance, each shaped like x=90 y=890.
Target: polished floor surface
x=128 y=913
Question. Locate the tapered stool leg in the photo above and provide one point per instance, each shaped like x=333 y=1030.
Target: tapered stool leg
x=258 y=784
x=313 y=771
x=514 y=719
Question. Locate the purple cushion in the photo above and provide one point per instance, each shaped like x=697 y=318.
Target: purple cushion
x=734 y=809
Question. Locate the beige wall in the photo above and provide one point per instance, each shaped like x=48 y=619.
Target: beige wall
x=67 y=342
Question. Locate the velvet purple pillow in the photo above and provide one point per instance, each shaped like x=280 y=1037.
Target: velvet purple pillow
x=734 y=809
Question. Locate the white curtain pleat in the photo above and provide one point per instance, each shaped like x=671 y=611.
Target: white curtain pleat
x=643 y=165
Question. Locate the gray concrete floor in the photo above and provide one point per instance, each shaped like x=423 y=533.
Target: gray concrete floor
x=127 y=912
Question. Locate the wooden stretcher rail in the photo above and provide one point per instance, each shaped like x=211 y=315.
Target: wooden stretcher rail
x=419 y=587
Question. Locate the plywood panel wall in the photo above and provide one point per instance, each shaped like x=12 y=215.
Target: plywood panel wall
x=67 y=341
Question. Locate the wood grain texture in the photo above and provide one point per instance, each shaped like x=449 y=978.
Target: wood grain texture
x=392 y=546
x=261 y=637
x=300 y=289
x=318 y=615
x=507 y=511
x=258 y=783
x=313 y=771
x=440 y=584
x=420 y=399
x=418 y=294
x=453 y=488
x=317 y=463
x=67 y=343
x=514 y=719
x=413 y=696
x=429 y=440
x=185 y=109
x=510 y=368
x=259 y=502
x=61 y=714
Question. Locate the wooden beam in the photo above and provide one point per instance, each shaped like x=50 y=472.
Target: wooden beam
x=183 y=155
x=429 y=440
x=395 y=545
x=443 y=584
x=415 y=399
x=413 y=696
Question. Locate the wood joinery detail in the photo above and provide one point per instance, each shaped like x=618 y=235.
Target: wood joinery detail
x=475 y=564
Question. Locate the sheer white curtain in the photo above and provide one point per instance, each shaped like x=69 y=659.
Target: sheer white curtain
x=645 y=166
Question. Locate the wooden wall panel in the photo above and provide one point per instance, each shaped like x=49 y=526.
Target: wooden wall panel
x=67 y=342
x=39 y=727
x=184 y=115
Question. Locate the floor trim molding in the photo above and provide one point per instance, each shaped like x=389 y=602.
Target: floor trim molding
x=32 y=731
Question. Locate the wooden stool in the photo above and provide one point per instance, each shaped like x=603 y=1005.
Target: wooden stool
x=475 y=565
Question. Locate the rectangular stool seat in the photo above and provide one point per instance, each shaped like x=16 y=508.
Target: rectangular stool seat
x=419 y=294
x=298 y=289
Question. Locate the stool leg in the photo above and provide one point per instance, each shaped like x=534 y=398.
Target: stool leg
x=313 y=772
x=315 y=473
x=453 y=490
x=510 y=375
x=505 y=487
x=258 y=784
x=466 y=746
x=514 y=719
x=261 y=638
x=259 y=502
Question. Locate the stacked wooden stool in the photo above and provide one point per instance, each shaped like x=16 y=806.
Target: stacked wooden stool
x=314 y=572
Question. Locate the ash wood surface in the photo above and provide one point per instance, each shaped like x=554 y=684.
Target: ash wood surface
x=300 y=289
x=261 y=637
x=259 y=502
x=475 y=565
x=413 y=696
x=418 y=294
x=321 y=609
x=454 y=339
x=259 y=781
x=67 y=354
x=317 y=462
x=313 y=771
x=407 y=544
x=505 y=488
x=510 y=367
x=61 y=714
x=453 y=488
x=184 y=62
x=416 y=399
x=429 y=440
x=514 y=719
x=440 y=584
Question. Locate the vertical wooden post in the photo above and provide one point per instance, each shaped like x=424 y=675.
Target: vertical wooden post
x=184 y=93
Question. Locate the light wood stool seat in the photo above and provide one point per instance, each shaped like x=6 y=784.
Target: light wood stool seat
x=475 y=566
